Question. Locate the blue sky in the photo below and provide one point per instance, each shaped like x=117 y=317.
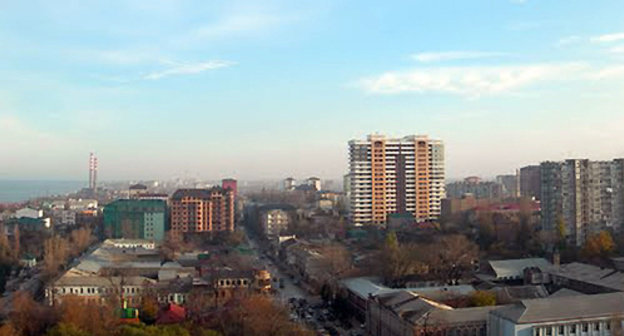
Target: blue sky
x=266 y=89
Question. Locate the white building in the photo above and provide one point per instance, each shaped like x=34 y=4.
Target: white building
x=275 y=219
x=290 y=184
x=28 y=213
x=315 y=183
x=580 y=315
x=395 y=175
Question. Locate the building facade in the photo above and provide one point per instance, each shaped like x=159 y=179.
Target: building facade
x=275 y=219
x=135 y=219
x=202 y=210
x=474 y=186
x=510 y=184
x=230 y=183
x=395 y=175
x=530 y=182
x=579 y=315
x=586 y=196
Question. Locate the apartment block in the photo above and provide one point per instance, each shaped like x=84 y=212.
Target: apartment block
x=588 y=196
x=135 y=219
x=202 y=210
x=475 y=187
x=395 y=175
x=530 y=182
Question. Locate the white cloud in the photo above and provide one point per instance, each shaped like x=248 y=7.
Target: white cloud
x=608 y=72
x=609 y=37
x=568 y=40
x=426 y=57
x=471 y=81
x=188 y=69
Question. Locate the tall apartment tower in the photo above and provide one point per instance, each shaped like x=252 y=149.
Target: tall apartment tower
x=92 y=172
x=530 y=182
x=395 y=175
x=588 y=196
x=202 y=210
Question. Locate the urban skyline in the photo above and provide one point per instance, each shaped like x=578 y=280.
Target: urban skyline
x=296 y=81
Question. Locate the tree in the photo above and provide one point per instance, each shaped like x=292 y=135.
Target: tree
x=63 y=329
x=55 y=253
x=172 y=244
x=81 y=239
x=28 y=317
x=95 y=318
x=599 y=245
x=258 y=315
x=396 y=261
x=149 y=306
x=450 y=257
x=483 y=299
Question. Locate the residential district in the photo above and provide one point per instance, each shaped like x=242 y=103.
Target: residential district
x=397 y=250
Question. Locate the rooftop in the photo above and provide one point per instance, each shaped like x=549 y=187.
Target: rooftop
x=197 y=193
x=604 y=277
x=563 y=308
x=513 y=268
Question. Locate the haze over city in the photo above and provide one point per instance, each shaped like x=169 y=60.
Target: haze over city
x=266 y=89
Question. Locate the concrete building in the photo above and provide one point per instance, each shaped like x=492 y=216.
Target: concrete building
x=530 y=182
x=510 y=184
x=275 y=218
x=314 y=182
x=135 y=219
x=202 y=210
x=29 y=213
x=476 y=187
x=232 y=184
x=588 y=196
x=578 y=315
x=290 y=184
x=136 y=190
x=405 y=313
x=395 y=175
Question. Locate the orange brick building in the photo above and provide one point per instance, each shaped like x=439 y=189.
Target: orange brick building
x=202 y=210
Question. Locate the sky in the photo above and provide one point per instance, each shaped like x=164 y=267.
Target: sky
x=268 y=89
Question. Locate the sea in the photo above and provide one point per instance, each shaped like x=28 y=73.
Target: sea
x=22 y=190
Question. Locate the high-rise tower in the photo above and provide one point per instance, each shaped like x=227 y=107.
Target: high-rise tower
x=92 y=172
x=395 y=175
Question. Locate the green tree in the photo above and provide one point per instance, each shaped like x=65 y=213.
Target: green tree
x=64 y=329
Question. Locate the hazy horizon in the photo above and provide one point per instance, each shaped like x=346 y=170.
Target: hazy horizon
x=271 y=89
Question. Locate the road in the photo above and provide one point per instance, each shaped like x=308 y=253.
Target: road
x=290 y=290
x=311 y=310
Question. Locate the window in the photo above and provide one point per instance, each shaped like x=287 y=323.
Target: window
x=585 y=327
x=548 y=331
x=573 y=329
x=561 y=330
x=597 y=326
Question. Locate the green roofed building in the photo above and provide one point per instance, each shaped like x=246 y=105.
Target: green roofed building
x=135 y=219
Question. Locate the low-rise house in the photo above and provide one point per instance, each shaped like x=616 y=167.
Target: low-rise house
x=584 y=315
x=96 y=288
